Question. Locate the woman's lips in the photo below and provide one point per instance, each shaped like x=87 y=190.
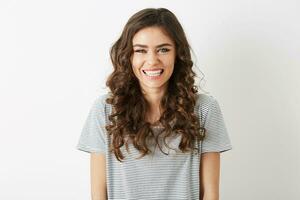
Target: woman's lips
x=151 y=75
x=154 y=71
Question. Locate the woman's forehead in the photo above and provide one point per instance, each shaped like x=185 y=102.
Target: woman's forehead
x=151 y=37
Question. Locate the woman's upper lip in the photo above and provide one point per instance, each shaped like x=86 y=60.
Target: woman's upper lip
x=152 y=69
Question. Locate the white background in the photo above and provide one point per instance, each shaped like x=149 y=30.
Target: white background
x=54 y=59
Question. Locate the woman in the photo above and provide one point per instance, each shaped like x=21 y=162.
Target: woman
x=153 y=136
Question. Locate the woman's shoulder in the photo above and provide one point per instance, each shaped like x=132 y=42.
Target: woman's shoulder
x=204 y=100
x=205 y=103
x=101 y=98
x=100 y=105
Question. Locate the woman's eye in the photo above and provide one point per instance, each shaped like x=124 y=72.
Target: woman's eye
x=140 y=51
x=164 y=50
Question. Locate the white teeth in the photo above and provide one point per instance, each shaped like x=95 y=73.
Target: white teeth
x=153 y=73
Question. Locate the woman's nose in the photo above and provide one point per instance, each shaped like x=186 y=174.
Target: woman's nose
x=152 y=58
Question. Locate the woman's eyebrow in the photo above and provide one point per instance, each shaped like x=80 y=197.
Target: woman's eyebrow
x=145 y=46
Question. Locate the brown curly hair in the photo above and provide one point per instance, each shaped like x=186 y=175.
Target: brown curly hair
x=128 y=118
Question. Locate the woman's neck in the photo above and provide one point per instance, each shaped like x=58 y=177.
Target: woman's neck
x=154 y=98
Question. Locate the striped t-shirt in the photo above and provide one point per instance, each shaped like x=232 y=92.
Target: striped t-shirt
x=155 y=176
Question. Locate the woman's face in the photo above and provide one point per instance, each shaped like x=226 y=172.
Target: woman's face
x=153 y=58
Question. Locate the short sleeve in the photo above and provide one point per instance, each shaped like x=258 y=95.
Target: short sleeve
x=217 y=138
x=93 y=137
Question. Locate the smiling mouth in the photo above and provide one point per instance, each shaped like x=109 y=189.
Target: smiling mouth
x=153 y=73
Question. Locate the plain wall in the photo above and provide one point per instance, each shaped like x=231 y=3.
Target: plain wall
x=54 y=60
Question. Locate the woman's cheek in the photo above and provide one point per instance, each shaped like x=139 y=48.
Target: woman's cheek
x=137 y=62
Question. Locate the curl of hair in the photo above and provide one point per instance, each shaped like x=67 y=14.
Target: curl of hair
x=128 y=119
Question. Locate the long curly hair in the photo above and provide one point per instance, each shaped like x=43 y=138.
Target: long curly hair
x=128 y=117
